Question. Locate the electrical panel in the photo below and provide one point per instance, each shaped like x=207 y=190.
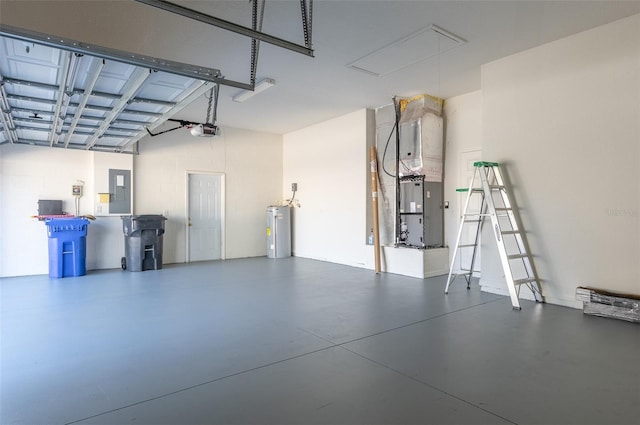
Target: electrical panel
x=120 y=191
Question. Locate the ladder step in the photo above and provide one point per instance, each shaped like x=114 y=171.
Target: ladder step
x=466 y=245
x=479 y=189
x=473 y=189
x=510 y=232
x=503 y=209
x=525 y=280
x=516 y=256
x=472 y=221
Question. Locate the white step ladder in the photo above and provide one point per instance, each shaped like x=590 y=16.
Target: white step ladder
x=517 y=262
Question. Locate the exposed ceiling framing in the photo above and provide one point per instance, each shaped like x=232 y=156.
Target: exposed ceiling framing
x=64 y=93
x=57 y=98
x=82 y=48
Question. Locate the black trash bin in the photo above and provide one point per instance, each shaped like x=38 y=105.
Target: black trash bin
x=142 y=242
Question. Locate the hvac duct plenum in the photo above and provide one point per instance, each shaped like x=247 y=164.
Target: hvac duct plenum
x=278 y=231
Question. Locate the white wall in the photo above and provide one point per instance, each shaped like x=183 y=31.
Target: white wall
x=329 y=161
x=28 y=174
x=463 y=123
x=564 y=119
x=31 y=173
x=252 y=163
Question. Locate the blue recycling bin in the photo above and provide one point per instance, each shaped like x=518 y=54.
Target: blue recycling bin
x=67 y=246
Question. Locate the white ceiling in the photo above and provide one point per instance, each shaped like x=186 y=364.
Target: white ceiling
x=311 y=90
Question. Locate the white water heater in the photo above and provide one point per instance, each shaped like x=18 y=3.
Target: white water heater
x=278 y=231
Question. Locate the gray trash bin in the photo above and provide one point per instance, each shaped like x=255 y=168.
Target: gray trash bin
x=142 y=242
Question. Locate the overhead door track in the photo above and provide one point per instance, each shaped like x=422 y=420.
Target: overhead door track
x=239 y=29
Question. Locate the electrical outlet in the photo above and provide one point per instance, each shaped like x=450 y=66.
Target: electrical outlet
x=294 y=187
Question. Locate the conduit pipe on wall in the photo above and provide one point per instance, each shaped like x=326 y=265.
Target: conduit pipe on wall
x=373 y=156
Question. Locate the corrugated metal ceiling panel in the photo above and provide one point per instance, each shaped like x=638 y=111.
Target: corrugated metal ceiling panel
x=51 y=97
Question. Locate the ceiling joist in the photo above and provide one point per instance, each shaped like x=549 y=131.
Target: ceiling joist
x=94 y=74
x=135 y=82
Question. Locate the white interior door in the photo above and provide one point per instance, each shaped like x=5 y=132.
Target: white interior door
x=205 y=221
x=466 y=174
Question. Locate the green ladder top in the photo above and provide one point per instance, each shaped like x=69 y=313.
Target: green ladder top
x=478 y=164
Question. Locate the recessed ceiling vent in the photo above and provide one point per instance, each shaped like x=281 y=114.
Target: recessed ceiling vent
x=414 y=48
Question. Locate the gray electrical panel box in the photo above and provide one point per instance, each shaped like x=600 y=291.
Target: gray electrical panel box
x=120 y=191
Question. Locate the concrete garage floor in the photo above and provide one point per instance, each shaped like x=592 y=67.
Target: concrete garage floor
x=296 y=341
